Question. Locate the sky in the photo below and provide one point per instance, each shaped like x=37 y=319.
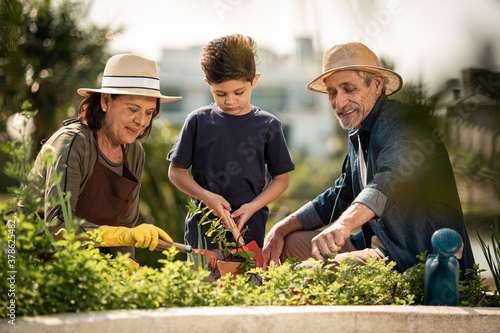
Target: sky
x=426 y=40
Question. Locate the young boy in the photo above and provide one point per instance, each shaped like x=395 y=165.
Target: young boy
x=228 y=144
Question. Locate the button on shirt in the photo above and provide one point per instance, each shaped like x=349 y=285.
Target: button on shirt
x=410 y=186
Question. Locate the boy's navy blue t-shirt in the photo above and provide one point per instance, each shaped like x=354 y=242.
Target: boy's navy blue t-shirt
x=228 y=155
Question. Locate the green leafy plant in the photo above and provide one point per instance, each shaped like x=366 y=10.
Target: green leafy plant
x=322 y=284
x=414 y=279
x=230 y=251
x=493 y=260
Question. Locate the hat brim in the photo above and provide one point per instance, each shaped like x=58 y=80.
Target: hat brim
x=394 y=84
x=137 y=92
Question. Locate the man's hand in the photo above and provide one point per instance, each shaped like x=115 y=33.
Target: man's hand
x=330 y=241
x=273 y=246
x=145 y=235
x=275 y=239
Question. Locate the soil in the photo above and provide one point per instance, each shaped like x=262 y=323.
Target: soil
x=230 y=257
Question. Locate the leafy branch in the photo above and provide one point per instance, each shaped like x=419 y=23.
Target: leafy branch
x=493 y=260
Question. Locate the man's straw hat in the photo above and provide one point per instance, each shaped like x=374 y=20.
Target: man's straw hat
x=354 y=56
x=128 y=74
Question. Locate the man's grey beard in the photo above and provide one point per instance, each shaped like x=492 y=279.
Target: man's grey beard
x=345 y=123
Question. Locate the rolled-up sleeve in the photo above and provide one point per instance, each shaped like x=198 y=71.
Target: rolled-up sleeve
x=373 y=199
x=308 y=217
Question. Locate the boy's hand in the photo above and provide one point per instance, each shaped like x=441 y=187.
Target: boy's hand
x=243 y=214
x=218 y=205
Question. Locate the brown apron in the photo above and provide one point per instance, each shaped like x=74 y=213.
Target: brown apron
x=107 y=197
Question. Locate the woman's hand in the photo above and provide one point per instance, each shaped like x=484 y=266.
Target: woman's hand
x=144 y=235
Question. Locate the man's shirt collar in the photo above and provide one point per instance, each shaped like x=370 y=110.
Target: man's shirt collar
x=372 y=116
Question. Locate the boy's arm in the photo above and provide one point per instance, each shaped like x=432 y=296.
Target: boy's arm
x=277 y=186
x=180 y=177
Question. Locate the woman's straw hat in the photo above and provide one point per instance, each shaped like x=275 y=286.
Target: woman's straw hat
x=354 y=56
x=128 y=74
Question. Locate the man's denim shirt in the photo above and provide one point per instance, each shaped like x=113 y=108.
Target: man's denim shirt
x=410 y=186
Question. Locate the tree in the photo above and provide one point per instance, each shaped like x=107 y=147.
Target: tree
x=46 y=53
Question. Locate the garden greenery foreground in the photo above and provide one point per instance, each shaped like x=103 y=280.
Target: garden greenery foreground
x=41 y=276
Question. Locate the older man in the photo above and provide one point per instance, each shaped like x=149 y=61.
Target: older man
x=396 y=184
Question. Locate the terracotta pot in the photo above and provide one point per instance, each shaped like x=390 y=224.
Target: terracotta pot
x=233 y=267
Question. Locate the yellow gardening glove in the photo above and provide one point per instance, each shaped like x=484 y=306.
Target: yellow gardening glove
x=145 y=235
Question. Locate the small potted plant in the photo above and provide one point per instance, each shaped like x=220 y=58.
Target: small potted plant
x=234 y=260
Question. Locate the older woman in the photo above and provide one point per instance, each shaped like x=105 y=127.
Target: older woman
x=100 y=158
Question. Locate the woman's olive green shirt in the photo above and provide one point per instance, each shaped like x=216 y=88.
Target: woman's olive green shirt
x=76 y=152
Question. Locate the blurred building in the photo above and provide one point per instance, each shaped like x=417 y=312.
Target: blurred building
x=308 y=121
x=470 y=110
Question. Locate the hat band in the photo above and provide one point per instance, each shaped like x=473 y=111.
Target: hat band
x=130 y=82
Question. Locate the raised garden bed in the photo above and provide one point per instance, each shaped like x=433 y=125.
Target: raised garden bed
x=384 y=318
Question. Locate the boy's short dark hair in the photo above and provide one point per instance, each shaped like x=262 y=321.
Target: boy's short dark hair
x=231 y=57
